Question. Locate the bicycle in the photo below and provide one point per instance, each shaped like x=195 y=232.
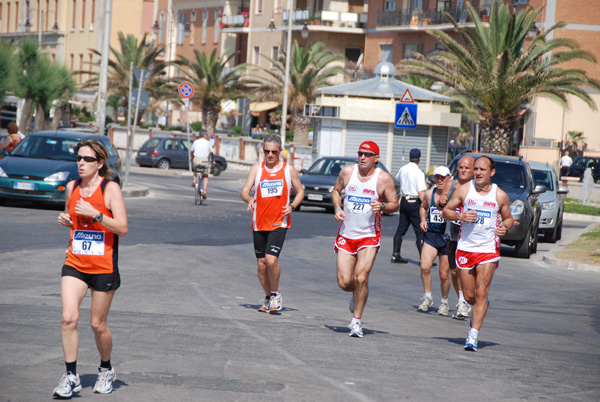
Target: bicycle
x=199 y=190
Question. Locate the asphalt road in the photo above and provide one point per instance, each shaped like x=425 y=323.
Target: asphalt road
x=185 y=324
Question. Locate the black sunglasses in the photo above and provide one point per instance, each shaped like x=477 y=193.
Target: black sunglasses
x=86 y=158
x=271 y=151
x=367 y=154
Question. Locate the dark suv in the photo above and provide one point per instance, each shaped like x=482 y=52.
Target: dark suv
x=513 y=175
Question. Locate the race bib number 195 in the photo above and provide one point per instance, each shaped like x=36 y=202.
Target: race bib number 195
x=271 y=188
x=88 y=242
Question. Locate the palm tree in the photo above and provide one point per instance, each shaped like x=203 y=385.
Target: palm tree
x=310 y=69
x=213 y=83
x=143 y=54
x=493 y=70
x=65 y=86
x=575 y=143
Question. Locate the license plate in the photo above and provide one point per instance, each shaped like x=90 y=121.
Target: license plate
x=23 y=186
x=315 y=197
x=141 y=153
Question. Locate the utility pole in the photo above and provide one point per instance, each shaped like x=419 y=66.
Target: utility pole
x=104 y=68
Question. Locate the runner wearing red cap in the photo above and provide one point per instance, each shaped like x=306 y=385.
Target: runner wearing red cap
x=357 y=243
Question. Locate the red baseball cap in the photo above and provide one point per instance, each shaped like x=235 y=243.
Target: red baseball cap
x=370 y=146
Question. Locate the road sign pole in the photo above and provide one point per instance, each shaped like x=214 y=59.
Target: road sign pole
x=187 y=118
x=128 y=121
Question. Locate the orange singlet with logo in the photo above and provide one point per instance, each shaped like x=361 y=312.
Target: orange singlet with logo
x=93 y=249
x=272 y=193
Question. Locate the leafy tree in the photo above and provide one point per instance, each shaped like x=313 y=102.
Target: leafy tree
x=65 y=86
x=310 y=69
x=493 y=70
x=26 y=78
x=213 y=83
x=7 y=51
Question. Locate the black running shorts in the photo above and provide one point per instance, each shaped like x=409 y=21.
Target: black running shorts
x=99 y=282
x=269 y=242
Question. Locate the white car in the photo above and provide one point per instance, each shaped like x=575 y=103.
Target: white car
x=552 y=201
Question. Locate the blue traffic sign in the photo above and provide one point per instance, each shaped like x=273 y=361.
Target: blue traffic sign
x=406 y=115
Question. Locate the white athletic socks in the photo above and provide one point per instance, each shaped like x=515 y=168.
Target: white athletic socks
x=355 y=320
x=473 y=332
x=428 y=294
x=461 y=296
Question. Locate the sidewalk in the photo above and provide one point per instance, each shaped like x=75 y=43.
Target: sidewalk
x=572 y=237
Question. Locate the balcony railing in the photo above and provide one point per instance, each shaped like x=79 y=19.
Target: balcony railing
x=316 y=17
x=417 y=18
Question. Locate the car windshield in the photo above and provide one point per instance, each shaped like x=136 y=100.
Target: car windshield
x=509 y=175
x=544 y=178
x=328 y=166
x=47 y=148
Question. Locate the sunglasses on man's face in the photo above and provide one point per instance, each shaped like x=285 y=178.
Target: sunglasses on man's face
x=271 y=151
x=367 y=154
x=88 y=159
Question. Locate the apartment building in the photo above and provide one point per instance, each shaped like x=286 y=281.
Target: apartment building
x=547 y=124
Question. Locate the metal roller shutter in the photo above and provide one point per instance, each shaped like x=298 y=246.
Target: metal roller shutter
x=357 y=132
x=417 y=138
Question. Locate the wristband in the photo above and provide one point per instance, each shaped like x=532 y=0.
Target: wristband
x=293 y=207
x=338 y=208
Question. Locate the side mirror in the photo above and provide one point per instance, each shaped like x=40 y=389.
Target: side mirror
x=562 y=190
x=302 y=171
x=4 y=153
x=431 y=178
x=539 y=189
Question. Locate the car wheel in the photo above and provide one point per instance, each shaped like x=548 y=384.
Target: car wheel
x=163 y=164
x=559 y=231
x=523 y=247
x=2 y=201
x=552 y=237
x=217 y=169
x=534 y=241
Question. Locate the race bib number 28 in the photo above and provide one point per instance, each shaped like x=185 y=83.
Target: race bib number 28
x=88 y=242
x=271 y=188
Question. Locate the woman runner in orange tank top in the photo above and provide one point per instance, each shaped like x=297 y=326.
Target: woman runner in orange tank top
x=95 y=213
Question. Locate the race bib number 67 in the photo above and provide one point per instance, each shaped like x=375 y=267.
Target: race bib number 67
x=88 y=242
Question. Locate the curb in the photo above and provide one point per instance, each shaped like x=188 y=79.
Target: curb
x=134 y=190
x=572 y=265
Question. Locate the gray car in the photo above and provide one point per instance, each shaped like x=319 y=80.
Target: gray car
x=171 y=152
x=552 y=201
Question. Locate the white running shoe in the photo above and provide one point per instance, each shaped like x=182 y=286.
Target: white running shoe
x=264 y=304
x=104 y=381
x=443 y=309
x=471 y=343
x=351 y=306
x=463 y=309
x=427 y=302
x=356 y=330
x=68 y=384
x=275 y=303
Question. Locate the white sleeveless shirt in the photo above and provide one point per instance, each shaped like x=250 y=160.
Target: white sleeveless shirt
x=360 y=220
x=480 y=236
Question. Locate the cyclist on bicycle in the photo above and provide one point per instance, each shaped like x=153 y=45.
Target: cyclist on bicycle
x=201 y=153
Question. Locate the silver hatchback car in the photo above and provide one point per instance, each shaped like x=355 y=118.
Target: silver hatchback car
x=552 y=201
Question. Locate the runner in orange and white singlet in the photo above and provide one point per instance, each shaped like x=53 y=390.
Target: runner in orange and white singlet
x=357 y=243
x=485 y=218
x=95 y=213
x=272 y=182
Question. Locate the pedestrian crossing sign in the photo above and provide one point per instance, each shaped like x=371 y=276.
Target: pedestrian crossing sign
x=406 y=115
